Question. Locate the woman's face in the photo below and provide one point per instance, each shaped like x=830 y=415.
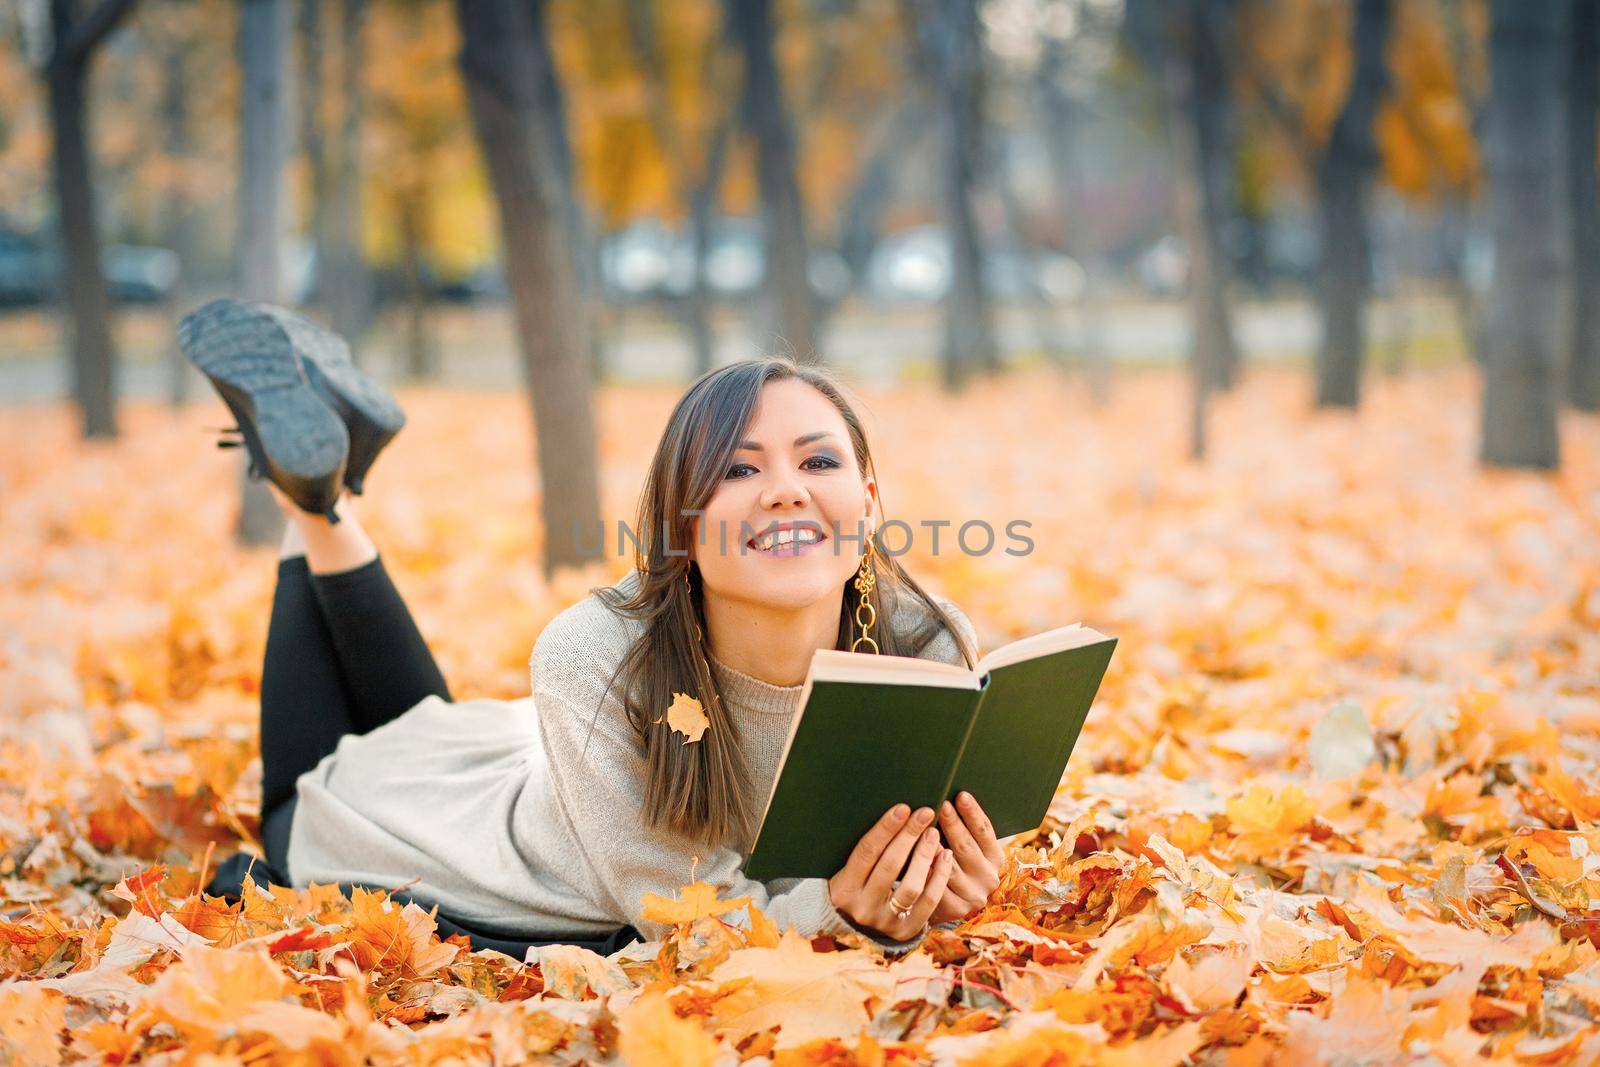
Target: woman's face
x=796 y=469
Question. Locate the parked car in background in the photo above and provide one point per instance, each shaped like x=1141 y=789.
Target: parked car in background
x=914 y=266
x=30 y=271
x=137 y=274
x=23 y=272
x=648 y=261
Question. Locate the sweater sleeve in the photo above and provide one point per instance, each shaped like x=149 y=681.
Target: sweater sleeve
x=597 y=771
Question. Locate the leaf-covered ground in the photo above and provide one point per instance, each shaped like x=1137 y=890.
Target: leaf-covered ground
x=1338 y=802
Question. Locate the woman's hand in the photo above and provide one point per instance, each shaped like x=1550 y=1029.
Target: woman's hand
x=864 y=890
x=978 y=857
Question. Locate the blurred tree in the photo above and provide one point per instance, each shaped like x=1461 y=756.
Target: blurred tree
x=950 y=50
x=1344 y=171
x=348 y=282
x=1327 y=103
x=1062 y=125
x=423 y=206
x=1208 y=110
x=1526 y=328
x=1181 y=43
x=179 y=218
x=697 y=175
x=892 y=141
x=581 y=246
x=1184 y=85
x=313 y=100
x=75 y=35
x=263 y=52
x=1583 y=95
x=502 y=52
x=766 y=116
x=1426 y=134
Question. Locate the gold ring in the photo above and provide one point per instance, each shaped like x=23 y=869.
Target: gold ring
x=901 y=911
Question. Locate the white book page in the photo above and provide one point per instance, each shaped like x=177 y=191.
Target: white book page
x=1058 y=640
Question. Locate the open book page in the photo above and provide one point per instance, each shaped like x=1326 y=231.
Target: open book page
x=1058 y=640
x=831 y=665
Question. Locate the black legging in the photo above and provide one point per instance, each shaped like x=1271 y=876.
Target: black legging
x=344 y=656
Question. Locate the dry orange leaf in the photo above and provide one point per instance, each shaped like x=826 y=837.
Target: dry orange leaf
x=687 y=717
x=809 y=994
x=650 y=1034
x=1242 y=875
x=697 y=901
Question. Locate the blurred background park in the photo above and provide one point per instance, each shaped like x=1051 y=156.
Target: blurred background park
x=554 y=196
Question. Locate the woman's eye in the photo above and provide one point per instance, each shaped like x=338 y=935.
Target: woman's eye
x=823 y=463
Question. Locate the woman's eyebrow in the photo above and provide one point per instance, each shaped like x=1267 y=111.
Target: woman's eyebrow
x=803 y=439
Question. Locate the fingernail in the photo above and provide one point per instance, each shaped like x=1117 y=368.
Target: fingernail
x=901 y=811
x=924 y=814
x=965 y=798
x=930 y=835
x=946 y=809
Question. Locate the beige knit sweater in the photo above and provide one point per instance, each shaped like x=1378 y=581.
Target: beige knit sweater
x=525 y=816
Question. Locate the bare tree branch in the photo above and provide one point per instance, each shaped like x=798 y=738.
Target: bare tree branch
x=1236 y=46
x=86 y=35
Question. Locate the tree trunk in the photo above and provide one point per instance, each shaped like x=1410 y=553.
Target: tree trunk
x=948 y=47
x=703 y=202
x=1210 y=104
x=349 y=288
x=1583 y=368
x=698 y=192
x=313 y=139
x=581 y=248
x=788 y=289
x=499 y=64
x=1060 y=137
x=1188 y=189
x=422 y=358
x=1526 y=328
x=860 y=225
x=87 y=324
x=1343 y=173
x=1041 y=312
x=178 y=219
x=263 y=39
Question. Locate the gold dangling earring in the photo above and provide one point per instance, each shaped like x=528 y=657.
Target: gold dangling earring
x=865 y=582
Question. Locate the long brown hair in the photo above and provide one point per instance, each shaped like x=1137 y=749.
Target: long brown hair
x=701 y=790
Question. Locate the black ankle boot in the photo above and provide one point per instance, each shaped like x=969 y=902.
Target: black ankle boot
x=295 y=439
x=370 y=412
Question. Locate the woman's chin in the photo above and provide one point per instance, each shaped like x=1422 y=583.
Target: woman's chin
x=791 y=583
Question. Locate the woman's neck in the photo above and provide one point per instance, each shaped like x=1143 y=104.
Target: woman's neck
x=772 y=644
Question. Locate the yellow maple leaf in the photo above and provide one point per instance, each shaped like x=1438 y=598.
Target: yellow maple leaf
x=687 y=717
x=809 y=994
x=695 y=901
x=650 y=1034
x=204 y=995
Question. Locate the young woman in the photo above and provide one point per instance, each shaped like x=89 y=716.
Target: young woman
x=550 y=817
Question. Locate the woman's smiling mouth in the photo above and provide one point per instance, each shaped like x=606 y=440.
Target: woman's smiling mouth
x=787 y=540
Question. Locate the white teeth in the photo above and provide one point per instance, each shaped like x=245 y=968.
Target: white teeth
x=803 y=534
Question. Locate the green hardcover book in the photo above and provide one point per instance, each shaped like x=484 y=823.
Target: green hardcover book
x=874 y=731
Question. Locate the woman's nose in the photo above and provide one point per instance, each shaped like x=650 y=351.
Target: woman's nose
x=784 y=490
